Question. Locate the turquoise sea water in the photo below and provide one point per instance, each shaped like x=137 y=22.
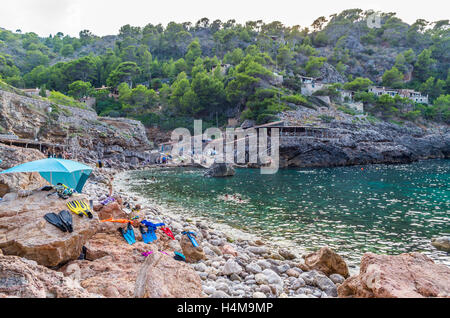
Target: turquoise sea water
x=379 y=208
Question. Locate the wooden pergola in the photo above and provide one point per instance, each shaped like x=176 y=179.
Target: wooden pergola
x=29 y=143
x=300 y=131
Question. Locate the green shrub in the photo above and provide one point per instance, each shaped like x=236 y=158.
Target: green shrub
x=412 y=115
x=328 y=91
x=266 y=118
x=347 y=110
x=371 y=119
x=60 y=98
x=295 y=99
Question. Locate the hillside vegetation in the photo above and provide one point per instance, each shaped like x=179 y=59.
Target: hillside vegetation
x=215 y=70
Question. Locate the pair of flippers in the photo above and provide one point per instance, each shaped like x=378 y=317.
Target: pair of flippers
x=148 y=234
x=148 y=231
x=80 y=208
x=146 y=228
x=128 y=234
x=62 y=220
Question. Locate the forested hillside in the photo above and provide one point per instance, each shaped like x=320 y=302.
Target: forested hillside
x=215 y=70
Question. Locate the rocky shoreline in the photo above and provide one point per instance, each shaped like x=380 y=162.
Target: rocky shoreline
x=239 y=264
x=40 y=261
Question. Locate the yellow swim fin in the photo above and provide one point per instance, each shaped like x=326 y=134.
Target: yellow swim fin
x=85 y=208
x=74 y=208
x=80 y=208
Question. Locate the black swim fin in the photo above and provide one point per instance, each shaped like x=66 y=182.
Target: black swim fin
x=55 y=220
x=66 y=218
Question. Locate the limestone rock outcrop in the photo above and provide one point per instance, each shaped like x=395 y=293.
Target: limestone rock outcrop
x=218 y=170
x=24 y=232
x=326 y=261
x=111 y=265
x=248 y=123
x=24 y=278
x=441 y=243
x=161 y=276
x=119 y=142
x=399 y=276
x=12 y=156
x=358 y=142
x=328 y=74
x=112 y=268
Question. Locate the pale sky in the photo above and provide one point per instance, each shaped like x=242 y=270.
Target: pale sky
x=105 y=17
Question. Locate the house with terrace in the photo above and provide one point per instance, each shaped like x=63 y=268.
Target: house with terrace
x=310 y=85
x=413 y=95
x=405 y=93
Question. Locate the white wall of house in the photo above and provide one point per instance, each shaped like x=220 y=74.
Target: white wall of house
x=421 y=99
x=309 y=88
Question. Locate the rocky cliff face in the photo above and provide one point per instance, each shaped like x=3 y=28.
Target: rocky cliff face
x=86 y=136
x=12 y=156
x=355 y=140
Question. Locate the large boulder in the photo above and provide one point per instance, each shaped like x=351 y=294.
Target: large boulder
x=326 y=261
x=192 y=254
x=161 y=276
x=111 y=210
x=441 y=243
x=405 y=275
x=24 y=231
x=218 y=170
x=23 y=278
x=111 y=264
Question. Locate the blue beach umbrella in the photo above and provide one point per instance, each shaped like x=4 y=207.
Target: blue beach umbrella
x=71 y=173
